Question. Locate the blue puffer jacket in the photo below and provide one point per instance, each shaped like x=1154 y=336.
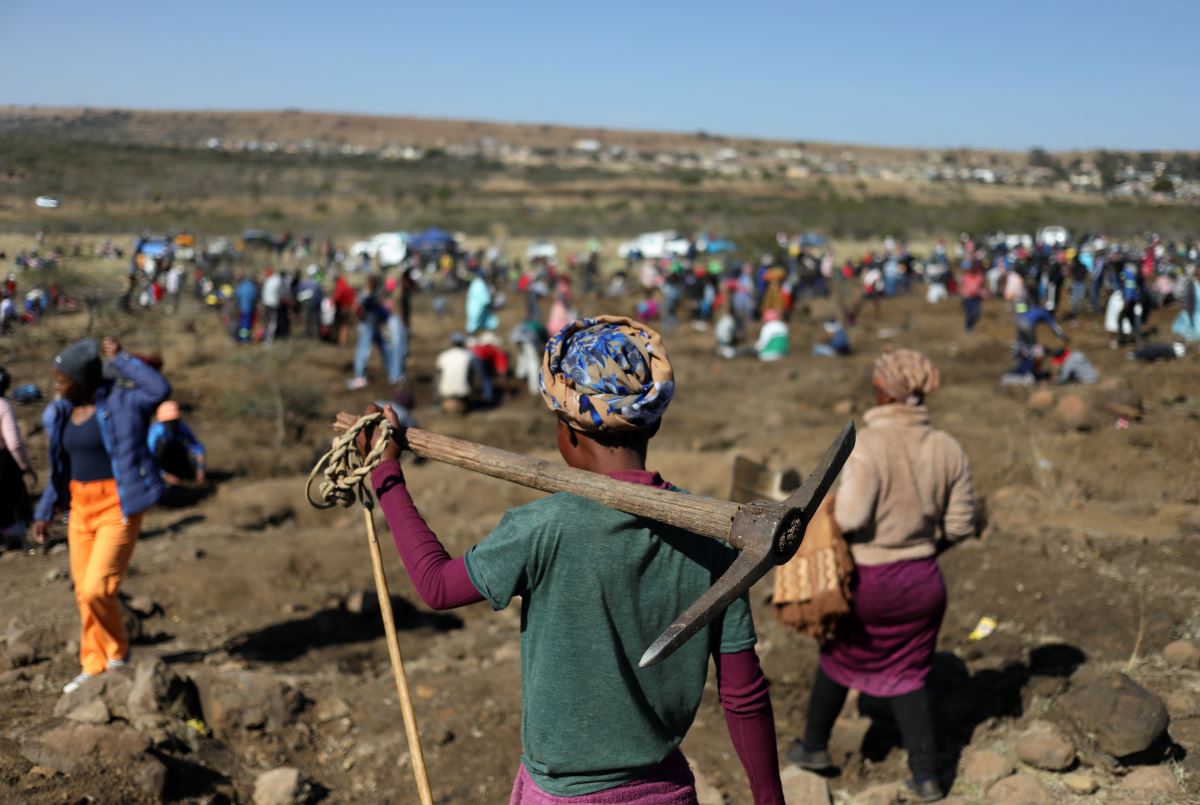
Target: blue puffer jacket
x=124 y=410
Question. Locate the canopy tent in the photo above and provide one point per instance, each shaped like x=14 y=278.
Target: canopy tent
x=431 y=239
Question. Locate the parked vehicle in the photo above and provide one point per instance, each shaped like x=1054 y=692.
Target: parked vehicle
x=541 y=250
x=1054 y=235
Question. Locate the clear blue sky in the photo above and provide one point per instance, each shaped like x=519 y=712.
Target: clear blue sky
x=1053 y=73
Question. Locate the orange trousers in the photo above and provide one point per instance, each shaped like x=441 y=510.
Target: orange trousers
x=101 y=540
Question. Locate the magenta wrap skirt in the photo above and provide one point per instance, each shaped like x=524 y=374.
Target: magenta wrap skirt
x=885 y=646
x=670 y=783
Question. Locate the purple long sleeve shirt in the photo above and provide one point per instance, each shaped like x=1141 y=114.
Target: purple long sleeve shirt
x=443 y=583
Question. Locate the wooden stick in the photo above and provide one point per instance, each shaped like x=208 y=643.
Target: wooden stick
x=701 y=515
x=389 y=627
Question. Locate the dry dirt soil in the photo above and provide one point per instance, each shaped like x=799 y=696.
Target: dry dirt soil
x=1088 y=561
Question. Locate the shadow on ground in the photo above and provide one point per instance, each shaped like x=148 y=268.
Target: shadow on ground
x=281 y=642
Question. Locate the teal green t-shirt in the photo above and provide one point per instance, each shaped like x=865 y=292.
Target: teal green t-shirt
x=597 y=587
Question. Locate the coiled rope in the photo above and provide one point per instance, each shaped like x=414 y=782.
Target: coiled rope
x=344 y=471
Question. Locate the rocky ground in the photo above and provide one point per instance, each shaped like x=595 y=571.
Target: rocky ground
x=260 y=674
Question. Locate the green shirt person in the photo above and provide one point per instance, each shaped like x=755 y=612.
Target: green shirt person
x=596 y=587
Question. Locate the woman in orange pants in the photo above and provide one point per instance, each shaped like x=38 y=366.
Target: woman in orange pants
x=101 y=471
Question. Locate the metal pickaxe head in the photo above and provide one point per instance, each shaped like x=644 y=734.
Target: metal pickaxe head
x=767 y=533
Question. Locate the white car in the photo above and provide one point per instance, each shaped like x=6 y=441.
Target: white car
x=652 y=245
x=1054 y=235
x=386 y=248
x=45 y=202
x=542 y=249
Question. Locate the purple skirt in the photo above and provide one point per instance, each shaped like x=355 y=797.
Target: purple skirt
x=669 y=783
x=885 y=646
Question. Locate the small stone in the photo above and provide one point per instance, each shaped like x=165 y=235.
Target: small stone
x=150 y=774
x=1020 y=788
x=144 y=605
x=42 y=771
x=1073 y=412
x=55 y=574
x=1151 y=780
x=1182 y=703
x=91 y=712
x=985 y=767
x=843 y=407
x=800 y=785
x=882 y=794
x=19 y=655
x=1182 y=654
x=1040 y=401
x=1080 y=782
x=1186 y=733
x=282 y=786
x=331 y=710
x=1044 y=746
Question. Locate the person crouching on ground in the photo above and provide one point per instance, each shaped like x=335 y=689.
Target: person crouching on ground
x=773 y=338
x=101 y=471
x=904 y=483
x=175 y=448
x=597 y=586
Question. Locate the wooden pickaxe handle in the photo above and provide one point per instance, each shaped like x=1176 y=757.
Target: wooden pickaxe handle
x=701 y=515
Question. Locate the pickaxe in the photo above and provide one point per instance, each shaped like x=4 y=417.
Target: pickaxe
x=767 y=533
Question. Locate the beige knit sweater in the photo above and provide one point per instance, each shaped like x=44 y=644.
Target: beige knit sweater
x=904 y=484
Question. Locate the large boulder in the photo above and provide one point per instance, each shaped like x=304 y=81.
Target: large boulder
x=1123 y=717
x=1152 y=782
x=111 y=687
x=68 y=746
x=233 y=701
x=44 y=640
x=157 y=690
x=1044 y=746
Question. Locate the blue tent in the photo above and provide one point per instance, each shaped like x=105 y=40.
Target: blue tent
x=431 y=239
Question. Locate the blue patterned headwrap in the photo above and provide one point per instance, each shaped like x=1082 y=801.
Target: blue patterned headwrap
x=607 y=373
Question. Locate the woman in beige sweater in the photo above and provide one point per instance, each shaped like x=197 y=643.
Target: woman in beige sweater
x=906 y=487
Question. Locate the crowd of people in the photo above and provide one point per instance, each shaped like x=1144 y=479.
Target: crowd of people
x=117 y=443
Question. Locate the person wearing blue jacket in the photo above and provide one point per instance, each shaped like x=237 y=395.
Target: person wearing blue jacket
x=102 y=474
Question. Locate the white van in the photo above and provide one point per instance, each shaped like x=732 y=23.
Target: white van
x=1054 y=235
